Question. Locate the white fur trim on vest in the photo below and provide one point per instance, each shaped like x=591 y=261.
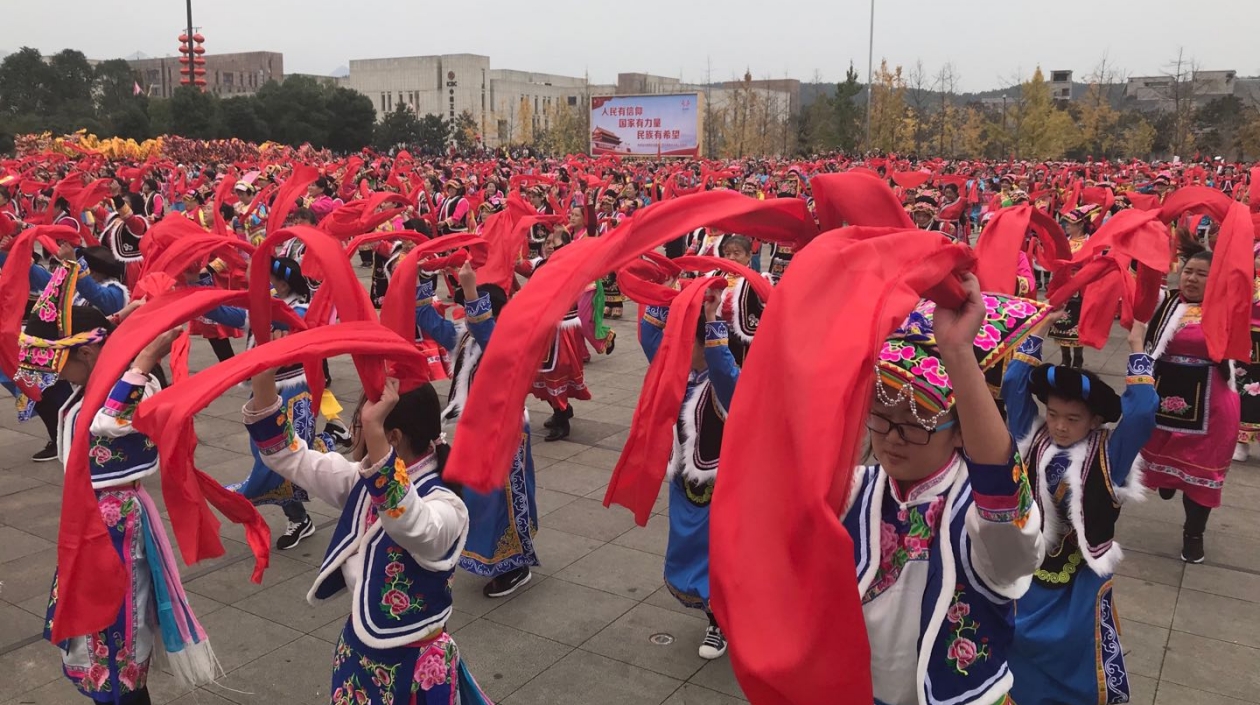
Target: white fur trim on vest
x=684 y=459
x=1134 y=488
x=1166 y=335
x=471 y=353
x=1104 y=564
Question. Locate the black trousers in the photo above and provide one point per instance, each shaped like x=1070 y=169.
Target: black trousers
x=295 y=511
x=222 y=348
x=49 y=406
x=1196 y=516
x=676 y=248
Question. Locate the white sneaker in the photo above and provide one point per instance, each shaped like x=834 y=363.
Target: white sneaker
x=1240 y=452
x=714 y=644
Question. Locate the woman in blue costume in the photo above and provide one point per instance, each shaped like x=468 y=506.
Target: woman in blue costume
x=264 y=486
x=112 y=665
x=694 y=463
x=1067 y=646
x=501 y=535
x=394 y=549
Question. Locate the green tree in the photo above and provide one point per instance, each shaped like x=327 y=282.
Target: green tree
x=1044 y=131
x=25 y=83
x=295 y=111
x=846 y=117
x=433 y=134
x=114 y=86
x=72 y=85
x=160 y=116
x=1217 y=127
x=241 y=119
x=351 y=120
x=400 y=128
x=194 y=114
x=464 y=130
x=131 y=122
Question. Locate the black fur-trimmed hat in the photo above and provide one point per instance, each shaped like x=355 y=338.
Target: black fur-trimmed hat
x=1079 y=385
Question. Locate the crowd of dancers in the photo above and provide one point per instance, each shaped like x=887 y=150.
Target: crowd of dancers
x=976 y=486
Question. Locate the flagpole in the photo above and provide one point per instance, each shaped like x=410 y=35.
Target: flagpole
x=870 y=73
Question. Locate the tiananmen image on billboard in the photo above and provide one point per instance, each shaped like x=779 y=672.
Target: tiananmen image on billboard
x=646 y=125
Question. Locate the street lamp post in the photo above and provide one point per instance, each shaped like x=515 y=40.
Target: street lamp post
x=189 y=34
x=870 y=73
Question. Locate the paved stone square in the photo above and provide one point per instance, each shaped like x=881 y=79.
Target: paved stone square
x=580 y=632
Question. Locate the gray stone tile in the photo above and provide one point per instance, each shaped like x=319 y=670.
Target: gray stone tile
x=629 y=640
x=589 y=518
x=1235 y=521
x=551 y=500
x=562 y=611
x=582 y=678
x=649 y=539
x=1143 y=647
x=1173 y=694
x=17 y=625
x=28 y=577
x=612 y=415
x=1220 y=581
x=717 y=675
x=1153 y=537
x=503 y=659
x=589 y=432
x=1239 y=495
x=11 y=482
x=201 y=696
x=572 y=478
x=558 y=450
x=1231 y=551
x=30 y=667
x=37 y=510
x=1216 y=617
x=231 y=583
x=240 y=637
x=598 y=458
x=1142 y=601
x=295 y=674
x=1151 y=568
x=690 y=694
x=558 y=549
x=58 y=692
x=621 y=571
x=286 y=604
x=330 y=632
x=615 y=442
x=1212 y=666
x=1142 y=690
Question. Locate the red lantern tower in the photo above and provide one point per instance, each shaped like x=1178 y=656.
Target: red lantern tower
x=192 y=61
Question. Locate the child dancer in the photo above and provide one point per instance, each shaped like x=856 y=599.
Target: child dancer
x=1067 y=635
x=946 y=535
x=693 y=467
x=395 y=547
x=501 y=537
x=112 y=665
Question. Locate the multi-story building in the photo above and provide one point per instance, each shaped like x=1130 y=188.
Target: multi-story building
x=506 y=105
x=1164 y=92
x=227 y=75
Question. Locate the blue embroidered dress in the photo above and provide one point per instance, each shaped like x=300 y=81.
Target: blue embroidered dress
x=694 y=463
x=111 y=664
x=503 y=523
x=1067 y=635
x=395 y=549
x=939 y=566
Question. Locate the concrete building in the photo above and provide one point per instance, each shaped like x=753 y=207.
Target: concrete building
x=1061 y=85
x=505 y=104
x=227 y=75
x=1160 y=92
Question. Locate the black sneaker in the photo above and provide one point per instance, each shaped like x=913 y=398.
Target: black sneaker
x=48 y=453
x=1192 y=548
x=551 y=420
x=507 y=583
x=294 y=533
x=340 y=434
x=714 y=644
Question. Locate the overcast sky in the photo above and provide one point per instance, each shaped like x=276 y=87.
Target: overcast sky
x=987 y=41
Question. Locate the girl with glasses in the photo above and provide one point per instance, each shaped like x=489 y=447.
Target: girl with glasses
x=946 y=535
